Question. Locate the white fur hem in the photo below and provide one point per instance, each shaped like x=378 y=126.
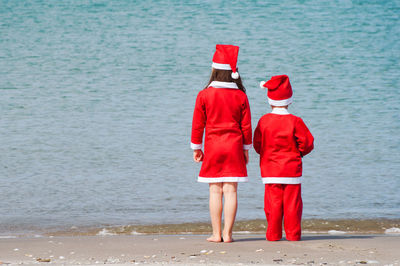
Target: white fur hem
x=222 y=179
x=281 y=180
x=196 y=146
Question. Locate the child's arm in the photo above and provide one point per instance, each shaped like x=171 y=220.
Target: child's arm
x=198 y=124
x=305 y=140
x=245 y=125
x=257 y=139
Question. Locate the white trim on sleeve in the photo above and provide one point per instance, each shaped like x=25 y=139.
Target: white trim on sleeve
x=281 y=180
x=221 y=66
x=246 y=146
x=222 y=179
x=196 y=146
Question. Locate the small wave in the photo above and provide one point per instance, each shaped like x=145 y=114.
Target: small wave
x=7 y=237
x=8 y=88
x=242 y=232
x=310 y=226
x=105 y=232
x=393 y=230
x=336 y=232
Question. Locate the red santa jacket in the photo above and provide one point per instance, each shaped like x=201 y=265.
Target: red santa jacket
x=224 y=111
x=282 y=140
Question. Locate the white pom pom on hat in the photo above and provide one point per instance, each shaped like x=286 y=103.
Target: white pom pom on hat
x=262 y=84
x=235 y=75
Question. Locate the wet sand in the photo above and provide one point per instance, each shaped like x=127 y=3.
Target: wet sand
x=320 y=226
x=314 y=249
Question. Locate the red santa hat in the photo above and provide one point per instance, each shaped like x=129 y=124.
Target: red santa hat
x=279 y=90
x=225 y=58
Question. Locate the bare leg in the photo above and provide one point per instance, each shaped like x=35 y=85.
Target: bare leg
x=215 y=211
x=230 y=208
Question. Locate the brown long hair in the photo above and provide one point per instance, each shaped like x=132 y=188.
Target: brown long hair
x=225 y=76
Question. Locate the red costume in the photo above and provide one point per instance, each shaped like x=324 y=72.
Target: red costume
x=282 y=140
x=224 y=111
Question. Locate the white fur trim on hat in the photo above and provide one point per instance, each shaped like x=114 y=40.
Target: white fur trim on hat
x=235 y=75
x=280 y=102
x=221 y=66
x=262 y=84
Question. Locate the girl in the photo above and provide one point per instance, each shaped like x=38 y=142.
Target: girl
x=222 y=108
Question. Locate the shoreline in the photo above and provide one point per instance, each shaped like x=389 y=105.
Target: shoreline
x=257 y=226
x=316 y=249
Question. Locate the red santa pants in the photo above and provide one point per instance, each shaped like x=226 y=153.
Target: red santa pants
x=283 y=201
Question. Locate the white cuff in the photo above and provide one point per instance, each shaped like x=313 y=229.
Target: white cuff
x=196 y=146
x=246 y=146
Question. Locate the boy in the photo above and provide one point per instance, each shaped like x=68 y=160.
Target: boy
x=282 y=140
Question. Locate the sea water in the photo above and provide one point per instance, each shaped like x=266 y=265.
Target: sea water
x=96 y=102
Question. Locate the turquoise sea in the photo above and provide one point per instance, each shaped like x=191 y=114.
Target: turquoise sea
x=96 y=102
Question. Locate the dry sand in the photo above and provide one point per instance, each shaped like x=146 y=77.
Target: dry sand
x=195 y=250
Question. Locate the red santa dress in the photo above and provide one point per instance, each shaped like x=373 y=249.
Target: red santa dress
x=224 y=111
x=282 y=140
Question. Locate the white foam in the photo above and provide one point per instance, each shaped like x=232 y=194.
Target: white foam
x=5 y=237
x=136 y=233
x=393 y=230
x=242 y=232
x=105 y=232
x=336 y=232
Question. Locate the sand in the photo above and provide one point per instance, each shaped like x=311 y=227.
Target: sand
x=314 y=249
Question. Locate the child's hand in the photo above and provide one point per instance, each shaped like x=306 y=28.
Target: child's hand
x=246 y=156
x=198 y=156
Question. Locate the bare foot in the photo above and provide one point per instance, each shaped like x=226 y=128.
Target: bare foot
x=227 y=238
x=214 y=239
